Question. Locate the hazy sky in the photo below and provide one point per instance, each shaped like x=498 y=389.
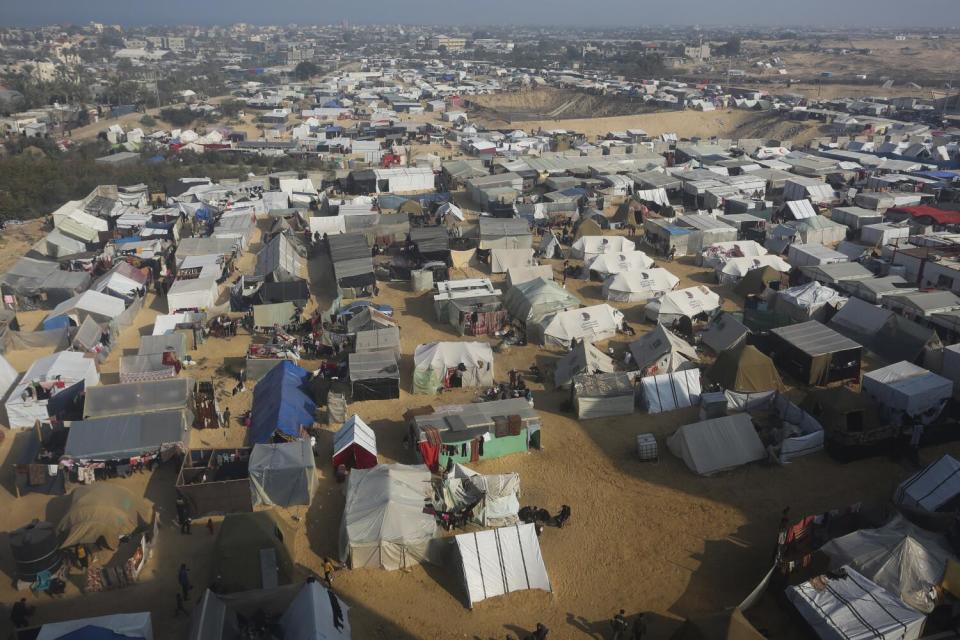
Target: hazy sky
x=888 y=13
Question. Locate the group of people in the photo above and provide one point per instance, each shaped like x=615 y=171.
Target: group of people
x=539 y=517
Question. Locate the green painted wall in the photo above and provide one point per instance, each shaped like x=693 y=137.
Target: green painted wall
x=493 y=448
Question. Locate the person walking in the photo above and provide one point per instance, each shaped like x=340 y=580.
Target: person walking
x=20 y=614
x=328 y=570
x=183 y=577
x=619 y=625
x=226 y=417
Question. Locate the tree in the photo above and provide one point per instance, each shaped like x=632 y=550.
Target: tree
x=231 y=107
x=305 y=70
x=177 y=117
x=148 y=121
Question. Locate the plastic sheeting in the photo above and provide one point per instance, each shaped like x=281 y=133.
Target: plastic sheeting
x=311 y=615
x=69 y=367
x=583 y=358
x=801 y=434
x=123 y=437
x=932 y=488
x=532 y=301
x=900 y=557
x=590 y=324
x=907 y=392
x=101 y=509
x=139 y=398
x=671 y=391
x=716 y=445
x=281 y=404
x=492 y=499
x=135 y=626
x=662 y=351
x=432 y=364
x=854 y=608
x=282 y=474
x=587 y=248
x=501 y=561
x=384 y=524
x=503 y=259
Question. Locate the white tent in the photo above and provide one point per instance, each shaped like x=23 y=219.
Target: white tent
x=689 y=302
x=583 y=358
x=734 y=269
x=54 y=373
x=136 y=626
x=716 y=445
x=311 y=616
x=550 y=246
x=639 y=286
x=384 y=524
x=930 y=489
x=8 y=377
x=200 y=294
x=852 y=607
x=810 y=254
x=590 y=324
x=501 y=561
x=439 y=364
x=493 y=499
x=899 y=556
x=662 y=351
x=448 y=208
x=519 y=275
x=719 y=252
x=610 y=263
x=503 y=259
x=905 y=389
x=670 y=391
x=101 y=306
x=354 y=432
x=588 y=248
x=329 y=225
x=807 y=301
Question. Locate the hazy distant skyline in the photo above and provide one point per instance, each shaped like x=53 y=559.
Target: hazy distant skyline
x=594 y=13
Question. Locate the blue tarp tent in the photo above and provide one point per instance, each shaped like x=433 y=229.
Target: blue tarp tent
x=281 y=403
x=92 y=632
x=57 y=322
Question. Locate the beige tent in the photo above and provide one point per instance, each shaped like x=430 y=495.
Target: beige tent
x=102 y=510
x=745 y=370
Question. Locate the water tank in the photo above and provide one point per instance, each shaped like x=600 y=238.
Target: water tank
x=35 y=548
x=421 y=280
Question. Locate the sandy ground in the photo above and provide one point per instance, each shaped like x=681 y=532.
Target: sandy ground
x=644 y=536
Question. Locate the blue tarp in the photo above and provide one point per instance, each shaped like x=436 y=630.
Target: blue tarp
x=57 y=322
x=281 y=402
x=93 y=632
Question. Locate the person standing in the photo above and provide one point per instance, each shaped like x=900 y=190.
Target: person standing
x=20 y=614
x=183 y=577
x=226 y=418
x=619 y=624
x=180 y=608
x=328 y=570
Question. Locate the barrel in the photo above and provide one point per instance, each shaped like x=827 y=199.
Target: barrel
x=35 y=548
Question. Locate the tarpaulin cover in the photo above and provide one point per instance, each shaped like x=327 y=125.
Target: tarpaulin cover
x=591 y=324
x=68 y=367
x=493 y=499
x=133 y=626
x=281 y=403
x=852 y=607
x=532 y=301
x=123 y=437
x=500 y=561
x=716 y=445
x=355 y=444
x=671 y=391
x=101 y=509
x=583 y=358
x=432 y=362
x=384 y=523
x=311 y=615
x=930 y=489
x=238 y=551
x=745 y=370
x=138 y=398
x=662 y=351
x=903 y=389
x=282 y=474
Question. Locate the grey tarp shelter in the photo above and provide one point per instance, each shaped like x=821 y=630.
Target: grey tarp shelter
x=715 y=445
x=386 y=340
x=505 y=233
x=282 y=474
x=123 y=437
x=374 y=375
x=583 y=358
x=139 y=397
x=279 y=260
x=352 y=261
x=600 y=395
x=724 y=332
x=30 y=278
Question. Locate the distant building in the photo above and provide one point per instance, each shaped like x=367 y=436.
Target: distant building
x=448 y=43
x=697 y=52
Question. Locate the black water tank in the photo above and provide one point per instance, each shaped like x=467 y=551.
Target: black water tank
x=35 y=548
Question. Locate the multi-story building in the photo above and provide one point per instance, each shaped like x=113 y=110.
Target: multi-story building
x=448 y=43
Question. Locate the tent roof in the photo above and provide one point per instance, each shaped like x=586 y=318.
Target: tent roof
x=500 y=561
x=354 y=431
x=281 y=403
x=138 y=398
x=386 y=504
x=583 y=358
x=533 y=300
x=931 y=488
x=745 y=370
x=101 y=509
x=135 y=626
x=814 y=338
x=724 y=332
x=373 y=365
x=655 y=344
x=716 y=445
x=237 y=550
x=122 y=437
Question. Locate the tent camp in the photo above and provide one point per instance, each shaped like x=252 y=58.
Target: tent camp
x=848 y=606
x=639 y=286
x=101 y=307
x=689 y=303
x=718 y=253
x=316 y=613
x=890 y=336
x=127 y=436
x=282 y=406
x=788 y=431
x=199 y=294
x=501 y=561
x=733 y=270
x=590 y=324
x=102 y=510
x=662 y=351
x=519 y=275
x=355 y=445
x=849 y=419
x=934 y=488
x=117 y=626
x=278 y=314
x=504 y=233
x=254 y=551
x=601 y=395
x=550 y=247
x=502 y=260
x=815 y=354
x=279 y=260
x=41 y=282
x=583 y=358
x=745 y=370
x=444 y=365
x=282 y=474
x=757 y=281
x=611 y=263
x=384 y=524
x=493 y=500
x=671 y=391
x=532 y=302
x=908 y=393
x=373 y=375
x=716 y=445
x=808 y=301
x=724 y=332
x=900 y=557
x=45 y=379
x=588 y=248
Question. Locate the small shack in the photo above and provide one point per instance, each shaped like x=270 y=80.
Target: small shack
x=601 y=395
x=282 y=474
x=373 y=376
x=815 y=354
x=355 y=445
